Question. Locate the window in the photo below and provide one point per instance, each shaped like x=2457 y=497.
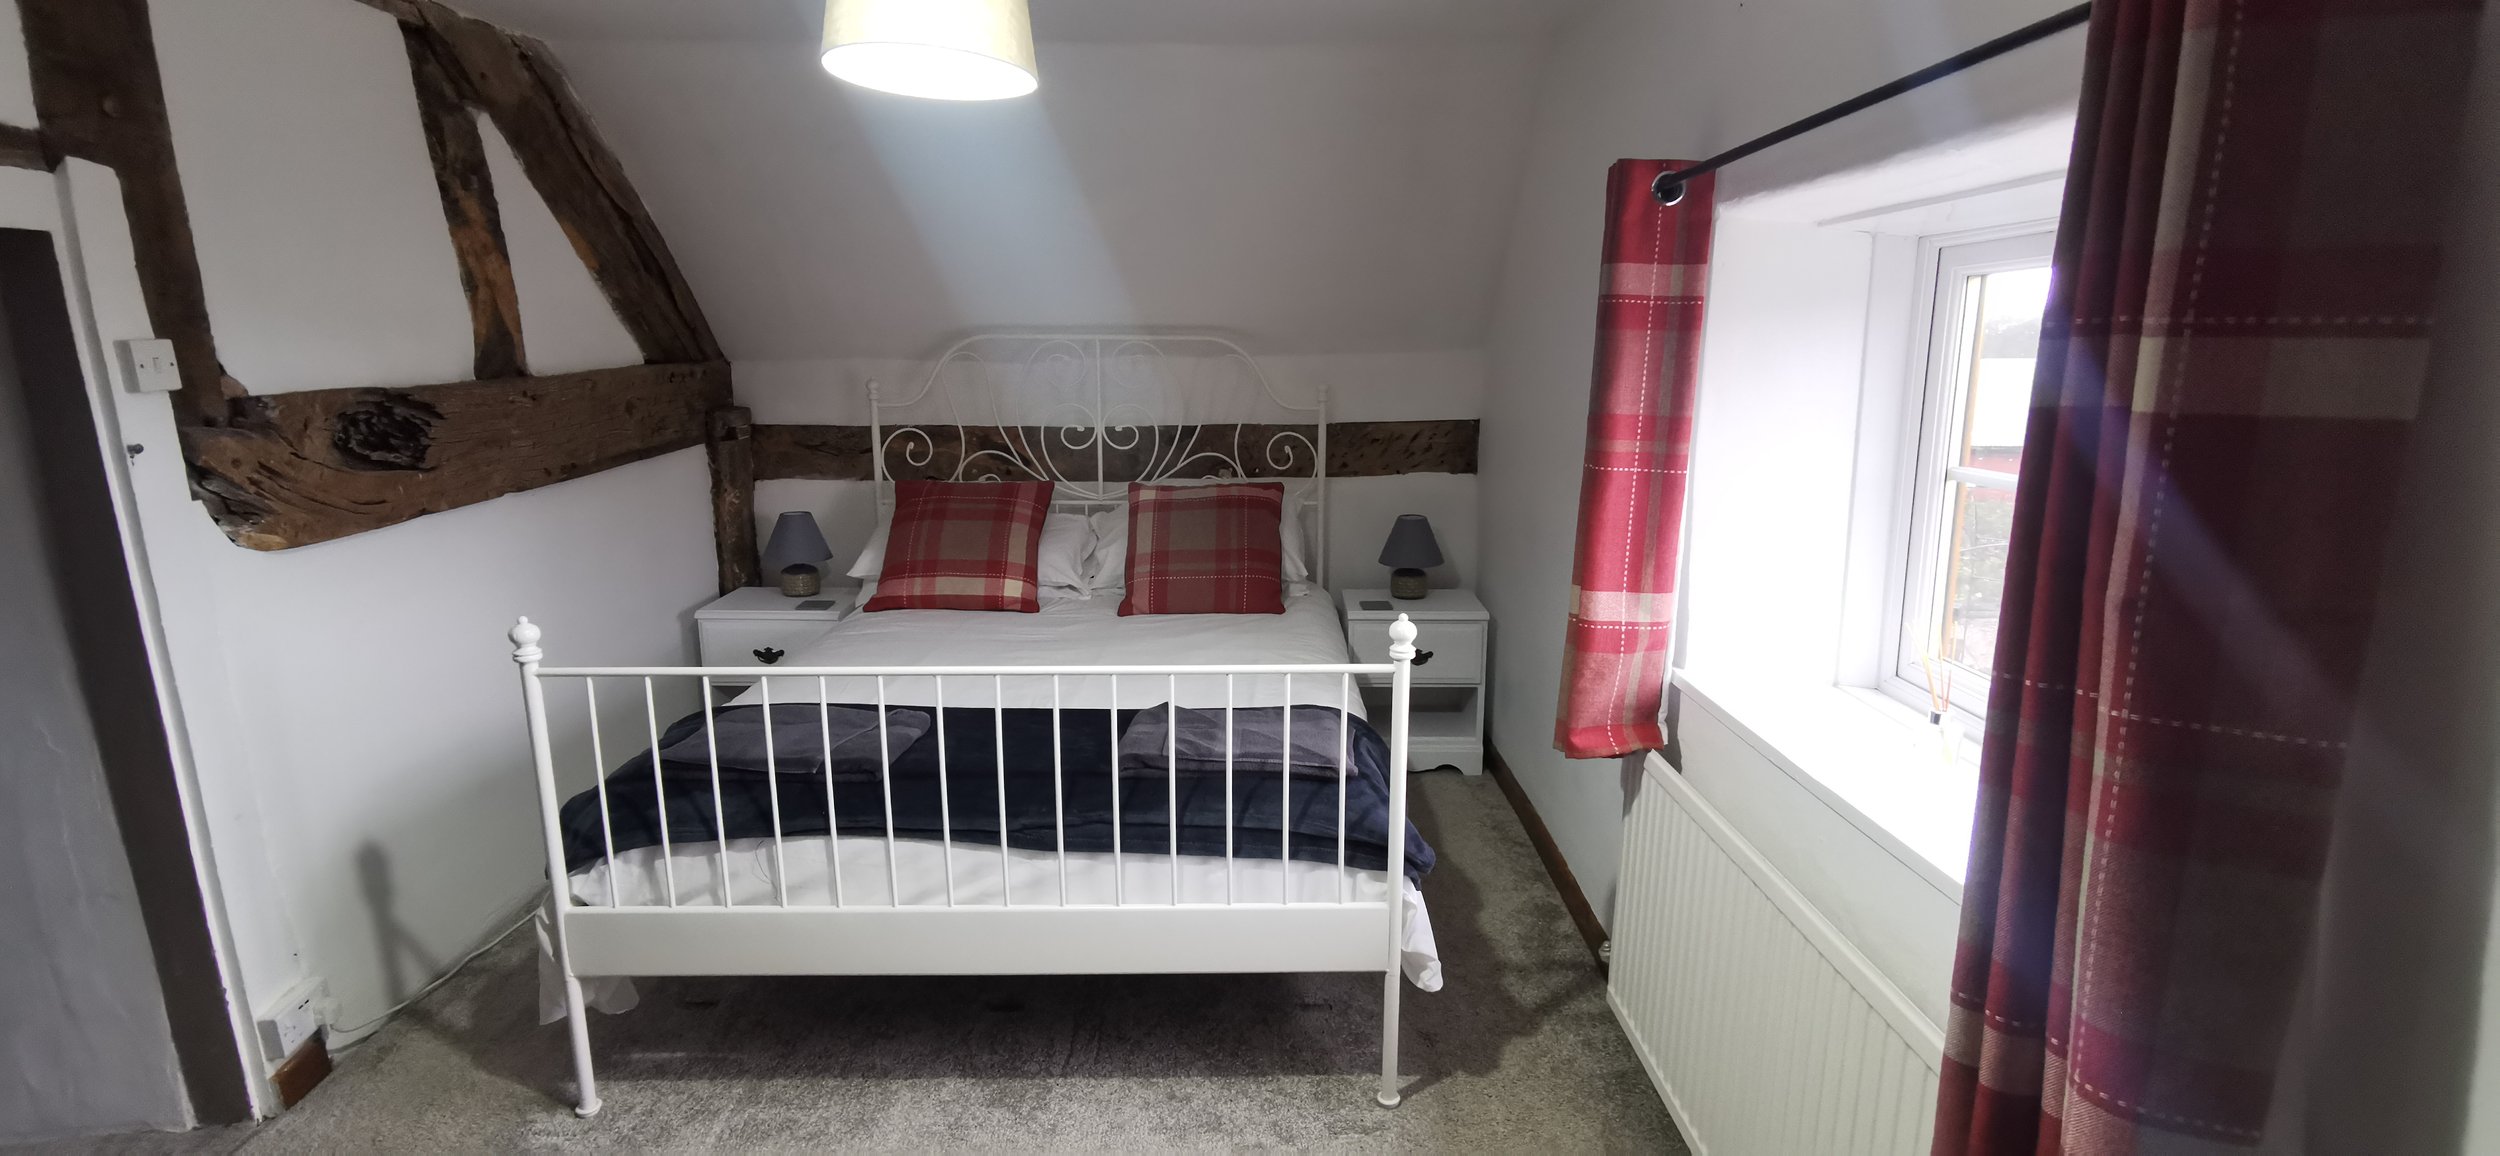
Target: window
x=1982 y=321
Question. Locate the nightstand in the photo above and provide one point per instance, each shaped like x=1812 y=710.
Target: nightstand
x=760 y=626
x=1445 y=716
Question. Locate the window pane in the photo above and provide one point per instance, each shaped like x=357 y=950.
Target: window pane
x=2003 y=351
x=1974 y=573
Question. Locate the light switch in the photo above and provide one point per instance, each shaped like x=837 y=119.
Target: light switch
x=149 y=362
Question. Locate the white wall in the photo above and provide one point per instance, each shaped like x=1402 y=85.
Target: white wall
x=1774 y=445
x=2402 y=1028
x=352 y=708
x=1635 y=79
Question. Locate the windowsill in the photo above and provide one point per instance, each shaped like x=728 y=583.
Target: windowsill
x=1873 y=760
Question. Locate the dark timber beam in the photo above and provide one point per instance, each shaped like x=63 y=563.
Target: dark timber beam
x=292 y=469
x=98 y=97
x=468 y=190
x=732 y=435
x=517 y=81
x=23 y=148
x=1356 y=449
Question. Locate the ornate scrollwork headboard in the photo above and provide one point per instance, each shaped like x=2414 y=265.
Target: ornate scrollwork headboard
x=1093 y=412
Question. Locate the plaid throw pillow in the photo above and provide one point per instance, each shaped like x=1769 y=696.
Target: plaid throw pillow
x=964 y=546
x=1205 y=549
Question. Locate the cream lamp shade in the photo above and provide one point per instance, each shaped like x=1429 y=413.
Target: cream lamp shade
x=939 y=49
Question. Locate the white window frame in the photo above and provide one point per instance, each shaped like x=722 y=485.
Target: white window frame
x=1939 y=375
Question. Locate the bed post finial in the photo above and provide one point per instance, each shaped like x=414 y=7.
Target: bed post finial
x=525 y=635
x=872 y=390
x=1402 y=639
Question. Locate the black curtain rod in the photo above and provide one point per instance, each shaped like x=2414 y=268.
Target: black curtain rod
x=1669 y=186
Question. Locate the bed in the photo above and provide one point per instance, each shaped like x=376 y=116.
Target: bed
x=973 y=792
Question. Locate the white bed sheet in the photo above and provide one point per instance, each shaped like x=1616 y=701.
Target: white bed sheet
x=1031 y=876
x=1077 y=632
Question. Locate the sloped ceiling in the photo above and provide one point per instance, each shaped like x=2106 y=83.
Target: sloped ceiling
x=1319 y=176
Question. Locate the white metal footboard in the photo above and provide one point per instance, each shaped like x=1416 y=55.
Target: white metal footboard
x=1132 y=934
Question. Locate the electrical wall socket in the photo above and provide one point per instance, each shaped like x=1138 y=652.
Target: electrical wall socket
x=148 y=364
x=292 y=1019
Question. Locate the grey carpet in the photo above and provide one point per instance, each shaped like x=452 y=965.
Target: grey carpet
x=1517 y=1052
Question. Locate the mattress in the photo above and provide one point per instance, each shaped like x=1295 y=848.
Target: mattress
x=1078 y=632
x=1031 y=878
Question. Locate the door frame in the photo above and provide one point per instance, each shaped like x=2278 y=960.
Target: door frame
x=225 y=1080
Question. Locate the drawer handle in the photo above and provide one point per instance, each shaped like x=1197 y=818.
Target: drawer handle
x=768 y=655
x=1422 y=657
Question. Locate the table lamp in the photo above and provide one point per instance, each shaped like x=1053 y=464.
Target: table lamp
x=1410 y=550
x=790 y=557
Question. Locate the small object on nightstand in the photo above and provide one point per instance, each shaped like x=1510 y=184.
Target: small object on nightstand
x=796 y=541
x=1410 y=550
x=800 y=581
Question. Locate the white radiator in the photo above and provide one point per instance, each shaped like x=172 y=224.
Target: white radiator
x=1763 y=1028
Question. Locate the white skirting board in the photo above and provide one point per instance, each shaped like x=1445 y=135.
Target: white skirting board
x=1762 y=1027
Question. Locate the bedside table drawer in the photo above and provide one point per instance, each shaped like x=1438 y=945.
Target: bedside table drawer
x=735 y=643
x=1457 y=649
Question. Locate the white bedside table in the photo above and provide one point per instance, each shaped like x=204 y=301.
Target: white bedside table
x=759 y=625
x=1445 y=719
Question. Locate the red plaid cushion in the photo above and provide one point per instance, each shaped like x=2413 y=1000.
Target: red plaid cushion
x=1205 y=549
x=964 y=546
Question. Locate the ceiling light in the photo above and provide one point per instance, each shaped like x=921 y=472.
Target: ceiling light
x=940 y=49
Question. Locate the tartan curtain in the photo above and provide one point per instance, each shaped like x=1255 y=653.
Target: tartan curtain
x=2234 y=342
x=1649 y=307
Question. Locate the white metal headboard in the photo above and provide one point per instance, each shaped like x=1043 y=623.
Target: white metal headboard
x=1092 y=412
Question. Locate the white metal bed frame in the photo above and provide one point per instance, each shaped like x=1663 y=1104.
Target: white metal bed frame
x=1127 y=936
x=1089 y=373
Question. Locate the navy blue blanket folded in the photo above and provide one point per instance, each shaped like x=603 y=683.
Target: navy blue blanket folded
x=1265 y=804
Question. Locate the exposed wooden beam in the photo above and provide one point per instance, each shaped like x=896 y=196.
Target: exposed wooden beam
x=1356 y=449
x=98 y=96
x=519 y=84
x=837 y=453
x=469 y=208
x=732 y=435
x=1375 y=449
x=405 y=11
x=297 y=468
x=23 y=148
x=291 y=469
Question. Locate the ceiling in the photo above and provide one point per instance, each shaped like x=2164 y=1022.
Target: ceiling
x=1310 y=198
x=1202 y=170
x=1098 y=21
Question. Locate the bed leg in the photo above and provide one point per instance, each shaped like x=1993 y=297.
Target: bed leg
x=577 y=1018
x=1389 y=1096
x=1401 y=682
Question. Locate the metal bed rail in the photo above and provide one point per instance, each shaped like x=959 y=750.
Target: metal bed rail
x=912 y=944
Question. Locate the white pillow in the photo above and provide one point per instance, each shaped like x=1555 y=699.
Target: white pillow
x=1067 y=544
x=1109 y=570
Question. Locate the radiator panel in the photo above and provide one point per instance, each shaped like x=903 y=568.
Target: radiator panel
x=1764 y=1030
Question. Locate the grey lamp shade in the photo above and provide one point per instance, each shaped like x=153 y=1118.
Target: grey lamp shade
x=1411 y=545
x=796 y=541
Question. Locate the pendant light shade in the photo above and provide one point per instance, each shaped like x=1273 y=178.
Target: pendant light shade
x=940 y=49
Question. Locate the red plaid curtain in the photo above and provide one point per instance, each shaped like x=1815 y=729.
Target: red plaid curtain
x=2228 y=368
x=1614 y=675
